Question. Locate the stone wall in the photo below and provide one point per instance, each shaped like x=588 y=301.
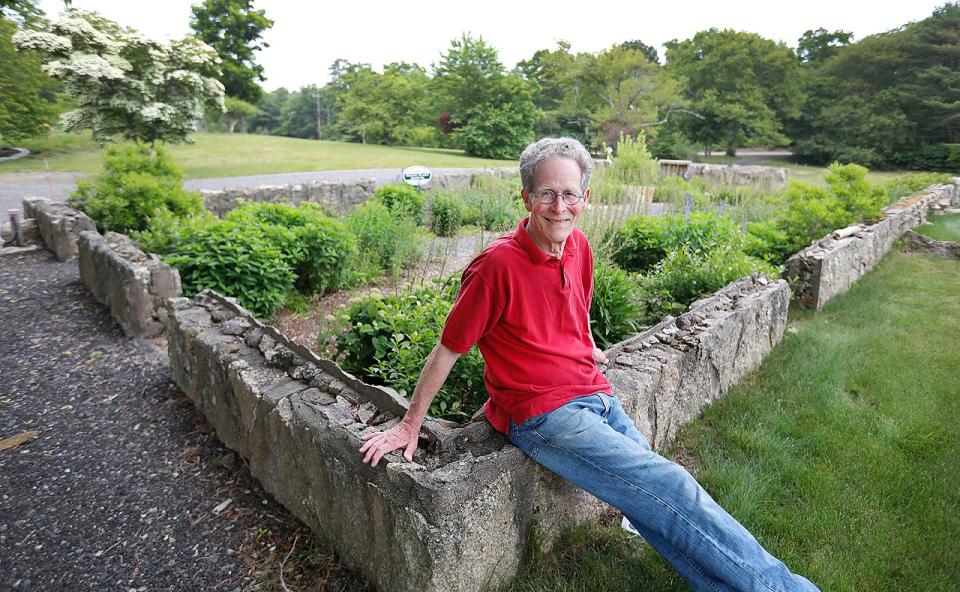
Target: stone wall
x=134 y=285
x=458 y=517
x=721 y=174
x=59 y=224
x=832 y=264
x=337 y=196
x=668 y=374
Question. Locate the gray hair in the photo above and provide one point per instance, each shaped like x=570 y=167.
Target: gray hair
x=547 y=148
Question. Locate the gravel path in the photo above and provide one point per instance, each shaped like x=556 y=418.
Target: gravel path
x=125 y=486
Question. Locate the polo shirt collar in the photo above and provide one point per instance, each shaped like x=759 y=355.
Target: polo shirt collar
x=536 y=254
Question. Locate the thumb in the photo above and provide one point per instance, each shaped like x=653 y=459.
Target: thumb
x=408 y=451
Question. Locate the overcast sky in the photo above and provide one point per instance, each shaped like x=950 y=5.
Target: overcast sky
x=307 y=36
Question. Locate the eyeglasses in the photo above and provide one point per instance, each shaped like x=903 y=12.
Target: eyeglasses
x=548 y=196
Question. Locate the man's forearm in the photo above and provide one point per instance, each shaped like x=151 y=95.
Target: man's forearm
x=434 y=373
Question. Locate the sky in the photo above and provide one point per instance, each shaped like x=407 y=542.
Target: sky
x=308 y=35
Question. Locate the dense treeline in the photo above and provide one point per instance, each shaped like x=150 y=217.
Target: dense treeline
x=888 y=100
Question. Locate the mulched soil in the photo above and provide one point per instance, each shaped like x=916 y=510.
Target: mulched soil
x=124 y=486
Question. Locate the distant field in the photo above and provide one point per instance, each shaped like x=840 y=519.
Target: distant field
x=231 y=155
x=811 y=175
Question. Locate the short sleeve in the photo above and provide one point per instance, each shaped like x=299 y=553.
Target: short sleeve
x=475 y=312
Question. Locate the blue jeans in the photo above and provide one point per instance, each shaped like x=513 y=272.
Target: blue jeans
x=592 y=443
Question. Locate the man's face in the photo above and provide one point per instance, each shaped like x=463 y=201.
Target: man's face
x=551 y=224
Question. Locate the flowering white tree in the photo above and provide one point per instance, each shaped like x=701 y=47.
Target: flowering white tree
x=125 y=83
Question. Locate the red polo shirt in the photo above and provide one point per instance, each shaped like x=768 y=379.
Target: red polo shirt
x=529 y=315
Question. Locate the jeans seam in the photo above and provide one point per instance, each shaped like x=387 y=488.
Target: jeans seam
x=674 y=510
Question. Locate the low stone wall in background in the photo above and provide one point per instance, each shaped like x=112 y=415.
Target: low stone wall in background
x=134 y=285
x=831 y=265
x=459 y=516
x=59 y=225
x=337 y=196
x=761 y=177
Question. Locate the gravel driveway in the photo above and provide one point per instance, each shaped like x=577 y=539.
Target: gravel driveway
x=124 y=486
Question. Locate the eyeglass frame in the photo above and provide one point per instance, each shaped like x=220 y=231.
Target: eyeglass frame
x=535 y=195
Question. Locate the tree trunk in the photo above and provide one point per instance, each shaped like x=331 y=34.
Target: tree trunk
x=233 y=125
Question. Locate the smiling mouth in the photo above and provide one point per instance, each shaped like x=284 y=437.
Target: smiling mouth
x=556 y=221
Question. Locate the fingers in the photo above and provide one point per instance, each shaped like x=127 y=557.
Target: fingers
x=378 y=444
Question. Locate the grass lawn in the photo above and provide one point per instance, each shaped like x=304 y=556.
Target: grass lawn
x=231 y=155
x=944 y=227
x=839 y=453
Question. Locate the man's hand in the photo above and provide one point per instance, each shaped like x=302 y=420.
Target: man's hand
x=598 y=356
x=378 y=444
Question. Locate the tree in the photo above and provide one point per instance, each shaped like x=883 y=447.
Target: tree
x=125 y=83
x=233 y=28
x=889 y=100
x=647 y=50
x=743 y=86
x=489 y=111
x=27 y=97
x=385 y=108
x=816 y=47
x=236 y=113
x=23 y=12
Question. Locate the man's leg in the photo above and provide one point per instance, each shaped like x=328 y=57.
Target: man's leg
x=707 y=546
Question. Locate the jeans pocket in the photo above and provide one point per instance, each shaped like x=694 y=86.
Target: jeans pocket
x=567 y=423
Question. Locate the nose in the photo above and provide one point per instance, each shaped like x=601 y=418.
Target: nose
x=559 y=206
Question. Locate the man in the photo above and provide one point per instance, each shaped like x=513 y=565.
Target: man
x=525 y=302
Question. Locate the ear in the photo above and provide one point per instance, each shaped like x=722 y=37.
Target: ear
x=586 y=195
x=526 y=200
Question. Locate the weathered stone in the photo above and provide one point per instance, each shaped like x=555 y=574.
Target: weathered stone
x=59 y=225
x=697 y=357
x=832 y=264
x=917 y=243
x=720 y=174
x=457 y=518
x=337 y=197
x=131 y=283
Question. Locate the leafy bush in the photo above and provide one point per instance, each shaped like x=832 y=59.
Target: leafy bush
x=386 y=241
x=642 y=241
x=135 y=185
x=319 y=249
x=905 y=185
x=402 y=200
x=687 y=274
x=446 y=214
x=494 y=211
x=229 y=256
x=633 y=165
x=805 y=214
x=615 y=309
x=389 y=338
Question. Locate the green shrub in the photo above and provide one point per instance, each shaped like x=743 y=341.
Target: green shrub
x=446 y=214
x=231 y=257
x=402 y=199
x=135 y=185
x=319 y=249
x=765 y=240
x=686 y=274
x=388 y=340
x=642 y=241
x=905 y=185
x=386 y=241
x=614 y=309
x=633 y=165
